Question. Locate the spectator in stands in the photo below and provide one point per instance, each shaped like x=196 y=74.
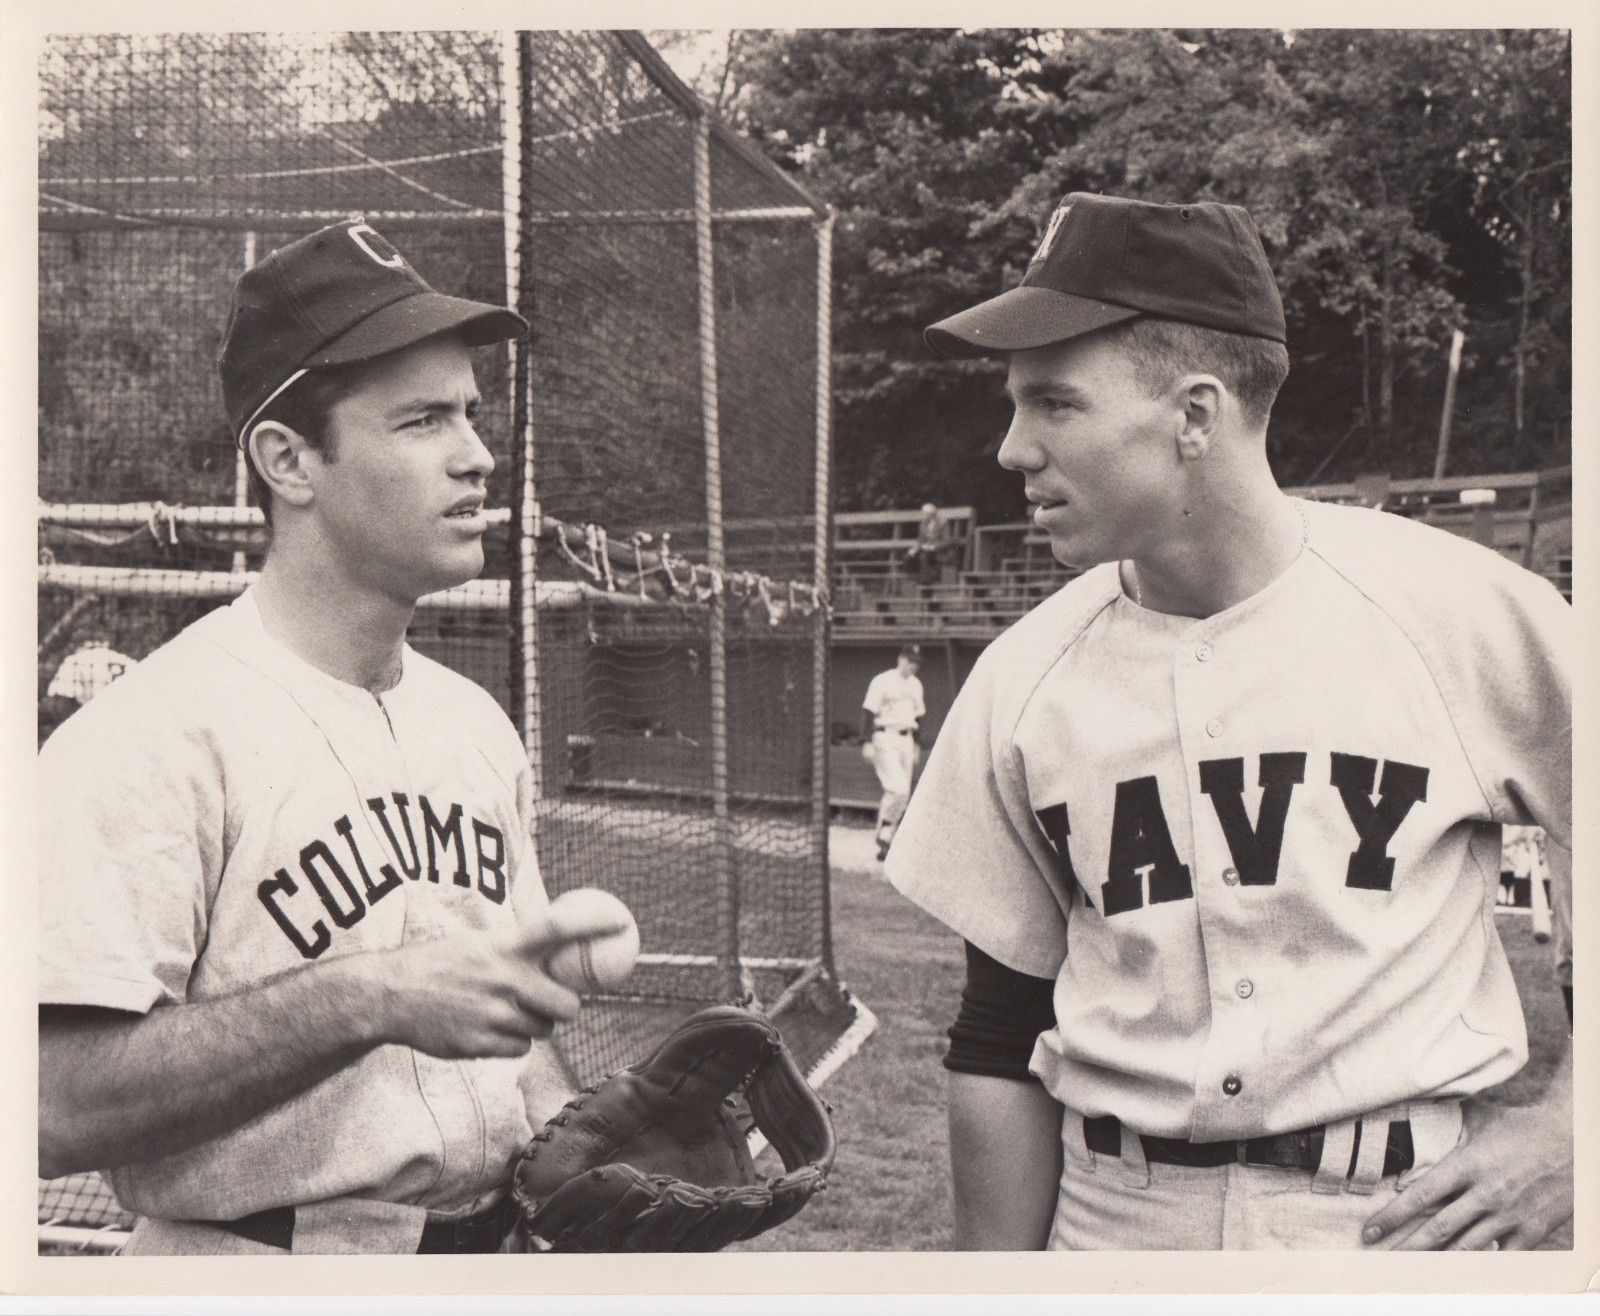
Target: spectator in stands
x=933 y=539
x=891 y=720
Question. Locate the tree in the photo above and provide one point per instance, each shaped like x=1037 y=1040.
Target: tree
x=1521 y=160
x=1405 y=182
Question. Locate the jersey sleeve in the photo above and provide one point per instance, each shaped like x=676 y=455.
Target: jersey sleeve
x=131 y=841
x=922 y=708
x=1513 y=703
x=873 y=701
x=969 y=850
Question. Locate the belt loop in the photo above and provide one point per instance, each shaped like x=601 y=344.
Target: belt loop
x=1135 y=1168
x=1338 y=1141
x=1374 y=1131
x=1435 y=1130
x=1074 y=1143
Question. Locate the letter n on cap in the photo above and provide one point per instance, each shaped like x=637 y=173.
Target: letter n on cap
x=375 y=245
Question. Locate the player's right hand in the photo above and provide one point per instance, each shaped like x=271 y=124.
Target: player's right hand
x=473 y=995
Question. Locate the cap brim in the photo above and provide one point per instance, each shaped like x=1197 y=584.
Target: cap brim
x=1022 y=318
x=410 y=320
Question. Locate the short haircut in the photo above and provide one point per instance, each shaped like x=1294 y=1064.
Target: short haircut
x=1253 y=368
x=305 y=407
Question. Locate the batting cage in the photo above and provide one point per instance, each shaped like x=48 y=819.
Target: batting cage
x=653 y=616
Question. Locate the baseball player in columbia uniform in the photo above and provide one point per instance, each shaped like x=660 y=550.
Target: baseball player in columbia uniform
x=1220 y=820
x=891 y=714
x=291 y=914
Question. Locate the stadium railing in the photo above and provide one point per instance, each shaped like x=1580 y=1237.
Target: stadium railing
x=1009 y=568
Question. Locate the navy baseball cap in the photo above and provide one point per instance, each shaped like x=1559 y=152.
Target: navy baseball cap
x=1105 y=259
x=334 y=297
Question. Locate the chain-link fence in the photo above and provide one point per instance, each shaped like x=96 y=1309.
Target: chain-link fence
x=653 y=613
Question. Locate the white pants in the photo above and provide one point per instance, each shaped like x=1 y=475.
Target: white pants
x=1130 y=1204
x=894 y=759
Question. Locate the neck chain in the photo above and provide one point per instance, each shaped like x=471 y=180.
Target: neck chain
x=1305 y=538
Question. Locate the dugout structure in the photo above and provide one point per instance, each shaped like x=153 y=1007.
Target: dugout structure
x=654 y=613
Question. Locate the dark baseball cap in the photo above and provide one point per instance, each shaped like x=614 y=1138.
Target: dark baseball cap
x=334 y=297
x=912 y=651
x=1105 y=259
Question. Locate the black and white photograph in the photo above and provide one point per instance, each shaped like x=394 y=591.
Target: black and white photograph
x=763 y=640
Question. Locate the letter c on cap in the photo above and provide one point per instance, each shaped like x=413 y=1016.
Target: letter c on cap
x=358 y=235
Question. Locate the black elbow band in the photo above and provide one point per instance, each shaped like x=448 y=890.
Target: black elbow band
x=1002 y=1014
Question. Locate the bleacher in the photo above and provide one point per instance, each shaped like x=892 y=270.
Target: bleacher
x=995 y=573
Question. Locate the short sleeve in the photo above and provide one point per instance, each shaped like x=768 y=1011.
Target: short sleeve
x=922 y=708
x=130 y=844
x=874 y=696
x=969 y=850
x=1514 y=705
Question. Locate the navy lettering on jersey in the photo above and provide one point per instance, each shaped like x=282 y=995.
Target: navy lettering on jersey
x=391 y=879
x=1141 y=839
x=346 y=915
x=1403 y=785
x=281 y=884
x=412 y=867
x=1255 y=849
x=447 y=833
x=491 y=845
x=1057 y=828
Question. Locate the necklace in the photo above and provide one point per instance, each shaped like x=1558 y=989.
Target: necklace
x=1305 y=538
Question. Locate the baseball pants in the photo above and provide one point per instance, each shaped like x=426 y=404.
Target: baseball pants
x=894 y=759
x=1129 y=1203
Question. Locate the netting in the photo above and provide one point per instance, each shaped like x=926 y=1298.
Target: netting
x=652 y=615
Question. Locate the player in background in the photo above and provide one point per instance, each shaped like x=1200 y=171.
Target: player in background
x=1220 y=820
x=292 y=921
x=83 y=674
x=891 y=720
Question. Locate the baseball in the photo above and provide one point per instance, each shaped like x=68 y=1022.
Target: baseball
x=600 y=962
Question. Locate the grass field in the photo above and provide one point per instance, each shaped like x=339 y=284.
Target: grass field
x=890 y=1187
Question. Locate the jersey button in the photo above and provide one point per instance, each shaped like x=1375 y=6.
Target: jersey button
x=1231 y=876
x=1246 y=989
x=1231 y=1085
x=1214 y=728
x=1203 y=653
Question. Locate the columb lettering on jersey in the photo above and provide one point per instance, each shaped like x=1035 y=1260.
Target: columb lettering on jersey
x=337 y=882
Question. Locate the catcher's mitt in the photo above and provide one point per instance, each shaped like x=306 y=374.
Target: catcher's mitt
x=652 y=1159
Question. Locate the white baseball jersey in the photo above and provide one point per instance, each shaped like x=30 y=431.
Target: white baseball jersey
x=1258 y=852
x=895 y=701
x=227 y=812
x=85 y=672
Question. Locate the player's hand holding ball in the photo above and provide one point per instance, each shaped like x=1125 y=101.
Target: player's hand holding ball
x=600 y=961
x=474 y=994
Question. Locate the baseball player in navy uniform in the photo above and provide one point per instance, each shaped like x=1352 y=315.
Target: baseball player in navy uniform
x=1220 y=821
x=291 y=914
x=891 y=718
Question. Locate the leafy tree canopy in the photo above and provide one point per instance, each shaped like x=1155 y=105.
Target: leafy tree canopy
x=1406 y=183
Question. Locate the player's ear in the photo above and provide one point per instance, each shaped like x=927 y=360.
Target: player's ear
x=1200 y=401
x=280 y=454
